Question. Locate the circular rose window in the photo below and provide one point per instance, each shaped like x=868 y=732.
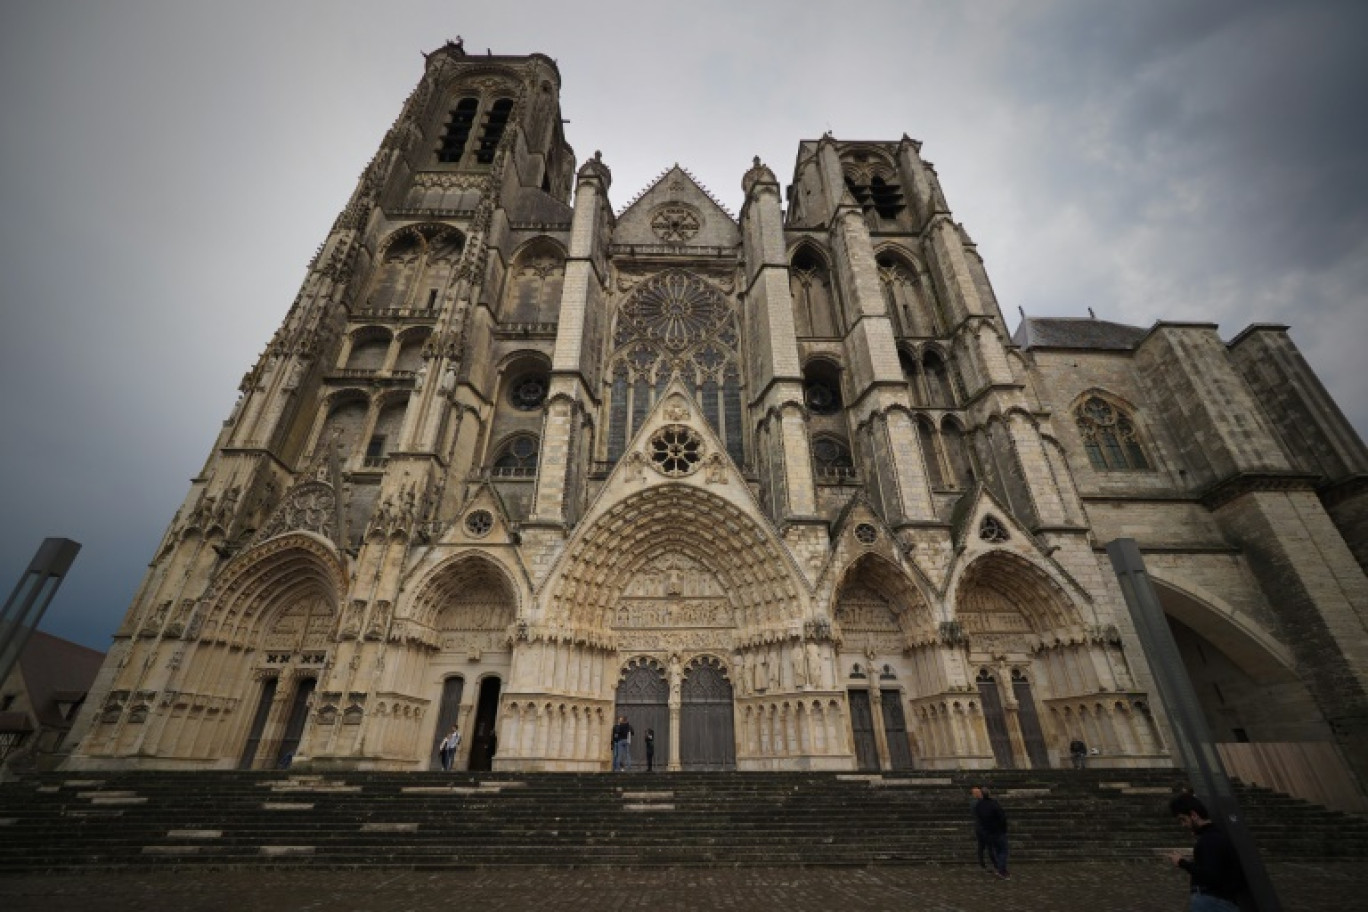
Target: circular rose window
x=675 y=450
x=866 y=534
x=479 y=522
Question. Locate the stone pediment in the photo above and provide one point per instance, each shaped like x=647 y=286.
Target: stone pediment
x=676 y=445
x=675 y=211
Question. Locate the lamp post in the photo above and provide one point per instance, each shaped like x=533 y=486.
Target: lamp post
x=35 y=589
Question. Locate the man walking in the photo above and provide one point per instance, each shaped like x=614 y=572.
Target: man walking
x=449 y=746
x=1215 y=877
x=1078 y=752
x=622 y=745
x=991 y=821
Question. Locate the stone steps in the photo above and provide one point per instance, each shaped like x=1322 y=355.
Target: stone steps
x=145 y=820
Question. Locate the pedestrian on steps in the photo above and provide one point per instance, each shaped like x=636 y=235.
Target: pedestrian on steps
x=622 y=745
x=989 y=815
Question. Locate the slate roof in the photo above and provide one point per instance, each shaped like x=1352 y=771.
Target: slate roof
x=52 y=668
x=1077 y=332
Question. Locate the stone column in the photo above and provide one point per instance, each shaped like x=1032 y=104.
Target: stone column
x=676 y=705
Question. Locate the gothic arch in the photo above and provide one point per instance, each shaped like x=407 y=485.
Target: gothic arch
x=1110 y=433
x=1239 y=636
x=763 y=586
x=999 y=582
x=269 y=578
x=533 y=284
x=817 y=310
x=461 y=580
x=905 y=601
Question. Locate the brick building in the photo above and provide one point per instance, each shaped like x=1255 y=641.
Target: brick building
x=777 y=485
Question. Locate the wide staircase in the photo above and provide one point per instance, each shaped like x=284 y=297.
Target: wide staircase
x=142 y=820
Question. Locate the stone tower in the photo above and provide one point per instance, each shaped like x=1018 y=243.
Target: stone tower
x=778 y=486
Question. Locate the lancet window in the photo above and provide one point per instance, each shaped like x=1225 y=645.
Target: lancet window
x=414 y=268
x=814 y=304
x=517 y=458
x=457 y=131
x=675 y=323
x=1109 y=436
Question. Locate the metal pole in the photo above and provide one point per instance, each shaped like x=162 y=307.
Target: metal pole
x=25 y=606
x=1195 y=745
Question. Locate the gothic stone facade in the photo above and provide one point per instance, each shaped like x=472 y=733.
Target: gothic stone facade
x=777 y=486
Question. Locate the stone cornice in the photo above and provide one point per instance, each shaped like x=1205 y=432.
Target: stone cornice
x=1236 y=486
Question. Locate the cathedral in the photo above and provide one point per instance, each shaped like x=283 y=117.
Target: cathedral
x=779 y=487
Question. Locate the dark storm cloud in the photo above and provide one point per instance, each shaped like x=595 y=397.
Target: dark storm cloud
x=167 y=169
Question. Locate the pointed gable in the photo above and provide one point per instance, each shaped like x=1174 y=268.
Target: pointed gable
x=676 y=211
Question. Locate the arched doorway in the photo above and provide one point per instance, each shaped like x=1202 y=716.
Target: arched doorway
x=880 y=614
x=448 y=714
x=706 y=737
x=470 y=604
x=643 y=696
x=995 y=719
x=484 y=743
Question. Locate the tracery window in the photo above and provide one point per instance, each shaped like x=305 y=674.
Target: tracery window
x=517 y=458
x=832 y=459
x=1109 y=436
x=414 y=268
x=675 y=323
x=905 y=297
x=814 y=303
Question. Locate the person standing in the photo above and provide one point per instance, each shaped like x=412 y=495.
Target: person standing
x=1216 y=879
x=1078 y=752
x=650 y=750
x=990 y=816
x=622 y=745
x=449 y=746
x=980 y=839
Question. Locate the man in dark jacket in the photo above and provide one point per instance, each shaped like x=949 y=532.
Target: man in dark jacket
x=622 y=745
x=1216 y=879
x=991 y=821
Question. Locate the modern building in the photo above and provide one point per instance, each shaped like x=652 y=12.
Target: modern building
x=40 y=698
x=777 y=485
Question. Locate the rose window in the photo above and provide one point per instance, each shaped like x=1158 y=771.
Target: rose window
x=675 y=450
x=675 y=224
x=479 y=522
x=866 y=534
x=677 y=310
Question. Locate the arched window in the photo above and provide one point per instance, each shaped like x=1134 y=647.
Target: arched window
x=675 y=323
x=534 y=285
x=957 y=454
x=369 y=350
x=517 y=458
x=415 y=266
x=822 y=388
x=457 y=131
x=906 y=296
x=814 y=304
x=832 y=459
x=938 y=390
x=495 y=122
x=1109 y=436
x=926 y=434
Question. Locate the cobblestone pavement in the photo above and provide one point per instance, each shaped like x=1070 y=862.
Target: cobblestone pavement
x=1120 y=886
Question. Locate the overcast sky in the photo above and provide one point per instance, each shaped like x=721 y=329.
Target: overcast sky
x=168 y=169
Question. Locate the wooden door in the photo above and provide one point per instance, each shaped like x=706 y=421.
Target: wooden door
x=706 y=735
x=996 y=720
x=299 y=716
x=895 y=730
x=263 y=712
x=1031 y=732
x=862 y=727
x=644 y=698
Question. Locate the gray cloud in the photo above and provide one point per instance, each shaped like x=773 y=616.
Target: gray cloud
x=167 y=170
